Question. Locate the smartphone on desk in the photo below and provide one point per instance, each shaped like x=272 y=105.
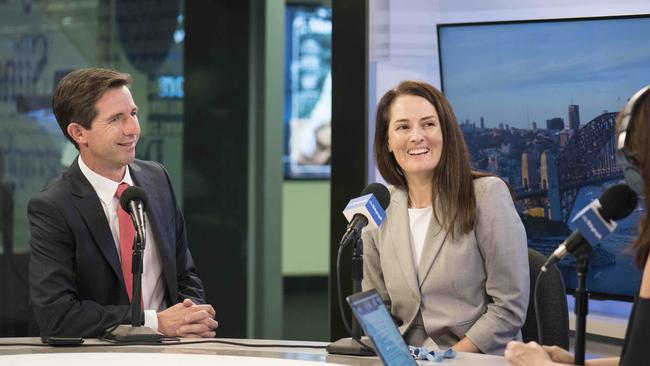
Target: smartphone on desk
x=62 y=341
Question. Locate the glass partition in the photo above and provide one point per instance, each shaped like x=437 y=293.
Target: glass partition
x=40 y=42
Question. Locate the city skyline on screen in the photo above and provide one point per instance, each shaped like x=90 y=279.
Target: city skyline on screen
x=518 y=73
x=537 y=104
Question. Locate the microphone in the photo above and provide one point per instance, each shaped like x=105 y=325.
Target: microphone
x=367 y=210
x=133 y=201
x=596 y=221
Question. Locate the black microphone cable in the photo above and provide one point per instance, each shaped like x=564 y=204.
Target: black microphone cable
x=538 y=317
x=167 y=341
x=125 y=317
x=340 y=301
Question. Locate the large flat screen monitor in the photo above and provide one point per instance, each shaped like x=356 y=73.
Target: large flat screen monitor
x=537 y=102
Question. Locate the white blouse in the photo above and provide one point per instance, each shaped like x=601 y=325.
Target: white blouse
x=419 y=219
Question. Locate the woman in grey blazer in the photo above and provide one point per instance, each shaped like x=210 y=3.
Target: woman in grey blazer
x=450 y=260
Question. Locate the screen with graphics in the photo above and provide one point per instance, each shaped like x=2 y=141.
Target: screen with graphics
x=308 y=92
x=537 y=103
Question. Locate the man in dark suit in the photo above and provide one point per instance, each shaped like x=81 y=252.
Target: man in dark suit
x=79 y=271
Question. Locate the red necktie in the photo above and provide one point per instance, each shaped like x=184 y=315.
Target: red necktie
x=127 y=235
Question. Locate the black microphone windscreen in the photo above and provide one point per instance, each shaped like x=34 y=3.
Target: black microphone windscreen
x=380 y=192
x=130 y=194
x=617 y=202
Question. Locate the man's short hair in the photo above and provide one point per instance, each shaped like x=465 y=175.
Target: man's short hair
x=75 y=97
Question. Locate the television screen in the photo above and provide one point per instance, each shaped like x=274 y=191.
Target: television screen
x=308 y=92
x=537 y=103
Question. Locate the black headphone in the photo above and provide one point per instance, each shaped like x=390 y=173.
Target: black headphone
x=631 y=172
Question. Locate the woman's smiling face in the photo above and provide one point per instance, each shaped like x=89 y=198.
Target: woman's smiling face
x=414 y=136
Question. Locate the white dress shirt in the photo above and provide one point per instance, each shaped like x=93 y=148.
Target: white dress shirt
x=153 y=284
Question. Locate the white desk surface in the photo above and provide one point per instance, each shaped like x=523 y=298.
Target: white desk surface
x=98 y=353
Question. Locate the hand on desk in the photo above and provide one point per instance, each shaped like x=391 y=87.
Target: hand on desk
x=531 y=353
x=187 y=319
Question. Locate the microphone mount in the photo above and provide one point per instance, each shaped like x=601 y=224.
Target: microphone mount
x=133 y=201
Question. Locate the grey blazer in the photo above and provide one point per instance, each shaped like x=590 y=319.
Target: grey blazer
x=475 y=285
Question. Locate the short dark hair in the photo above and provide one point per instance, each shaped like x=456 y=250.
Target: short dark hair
x=75 y=97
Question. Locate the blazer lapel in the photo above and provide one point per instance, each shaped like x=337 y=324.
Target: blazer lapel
x=92 y=212
x=153 y=213
x=433 y=242
x=401 y=238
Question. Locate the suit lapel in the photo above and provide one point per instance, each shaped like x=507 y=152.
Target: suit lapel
x=401 y=238
x=87 y=202
x=153 y=212
x=433 y=242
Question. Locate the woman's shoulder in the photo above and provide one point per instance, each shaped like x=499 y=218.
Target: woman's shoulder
x=489 y=181
x=396 y=189
x=490 y=185
x=397 y=195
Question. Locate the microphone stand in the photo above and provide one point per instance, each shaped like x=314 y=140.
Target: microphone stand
x=135 y=332
x=350 y=346
x=581 y=303
x=136 y=270
x=357 y=278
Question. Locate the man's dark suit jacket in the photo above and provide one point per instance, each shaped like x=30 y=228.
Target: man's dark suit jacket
x=75 y=278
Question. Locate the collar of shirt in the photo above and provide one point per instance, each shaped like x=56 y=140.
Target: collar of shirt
x=104 y=187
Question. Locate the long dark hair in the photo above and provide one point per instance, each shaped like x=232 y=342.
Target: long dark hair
x=639 y=149
x=452 y=177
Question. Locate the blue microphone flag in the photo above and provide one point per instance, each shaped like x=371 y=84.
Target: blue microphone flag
x=593 y=227
x=367 y=206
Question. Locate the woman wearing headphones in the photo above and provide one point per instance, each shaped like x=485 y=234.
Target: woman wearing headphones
x=633 y=154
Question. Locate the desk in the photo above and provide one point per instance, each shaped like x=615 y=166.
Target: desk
x=184 y=353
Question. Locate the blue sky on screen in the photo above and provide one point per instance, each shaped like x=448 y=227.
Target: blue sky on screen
x=523 y=72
